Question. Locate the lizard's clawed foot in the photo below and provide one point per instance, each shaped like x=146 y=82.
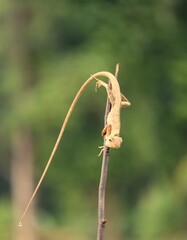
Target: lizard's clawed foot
x=97 y=85
x=102 y=149
x=124 y=101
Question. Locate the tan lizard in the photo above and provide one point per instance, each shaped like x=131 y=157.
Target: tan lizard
x=118 y=101
x=112 y=129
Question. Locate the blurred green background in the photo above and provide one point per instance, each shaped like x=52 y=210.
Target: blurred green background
x=47 y=50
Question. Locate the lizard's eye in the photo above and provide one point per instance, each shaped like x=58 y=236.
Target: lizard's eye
x=110 y=140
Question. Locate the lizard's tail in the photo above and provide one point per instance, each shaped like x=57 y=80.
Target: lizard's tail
x=93 y=77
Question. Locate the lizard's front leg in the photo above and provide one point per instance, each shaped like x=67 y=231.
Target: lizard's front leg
x=107 y=130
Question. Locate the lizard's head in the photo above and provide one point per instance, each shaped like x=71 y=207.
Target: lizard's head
x=113 y=142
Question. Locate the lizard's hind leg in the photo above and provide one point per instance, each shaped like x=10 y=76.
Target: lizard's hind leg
x=124 y=101
x=100 y=83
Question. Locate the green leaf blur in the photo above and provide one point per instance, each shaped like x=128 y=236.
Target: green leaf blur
x=48 y=49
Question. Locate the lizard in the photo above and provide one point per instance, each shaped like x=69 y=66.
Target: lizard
x=111 y=130
x=118 y=101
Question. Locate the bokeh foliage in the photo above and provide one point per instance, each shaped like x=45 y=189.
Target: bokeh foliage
x=67 y=41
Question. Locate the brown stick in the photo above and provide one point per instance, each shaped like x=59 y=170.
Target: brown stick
x=90 y=79
x=104 y=170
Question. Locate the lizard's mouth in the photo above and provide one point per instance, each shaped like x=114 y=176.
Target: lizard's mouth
x=114 y=142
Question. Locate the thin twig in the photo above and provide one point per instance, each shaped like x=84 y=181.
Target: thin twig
x=77 y=96
x=104 y=170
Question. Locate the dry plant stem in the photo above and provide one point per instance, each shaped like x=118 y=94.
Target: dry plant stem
x=104 y=170
x=92 y=78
